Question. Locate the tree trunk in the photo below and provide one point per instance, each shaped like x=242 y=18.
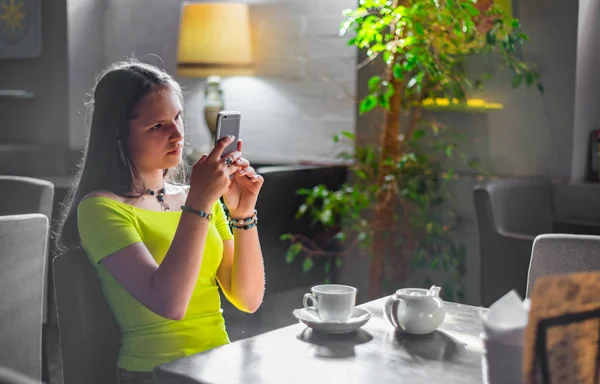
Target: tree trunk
x=383 y=220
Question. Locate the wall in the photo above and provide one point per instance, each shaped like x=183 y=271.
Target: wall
x=297 y=102
x=533 y=135
x=85 y=60
x=46 y=77
x=27 y=124
x=587 y=96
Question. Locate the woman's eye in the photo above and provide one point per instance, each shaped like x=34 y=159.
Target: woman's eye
x=155 y=127
x=178 y=116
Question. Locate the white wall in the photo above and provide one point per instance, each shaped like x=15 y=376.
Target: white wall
x=587 y=91
x=85 y=20
x=294 y=105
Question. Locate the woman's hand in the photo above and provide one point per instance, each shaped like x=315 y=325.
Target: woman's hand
x=242 y=194
x=210 y=177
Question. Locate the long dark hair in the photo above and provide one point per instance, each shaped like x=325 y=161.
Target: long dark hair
x=106 y=162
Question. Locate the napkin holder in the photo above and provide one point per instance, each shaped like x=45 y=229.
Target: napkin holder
x=504 y=324
x=563 y=333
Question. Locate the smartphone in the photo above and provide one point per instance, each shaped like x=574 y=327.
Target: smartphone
x=228 y=123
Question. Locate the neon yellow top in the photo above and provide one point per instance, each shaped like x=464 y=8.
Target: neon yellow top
x=147 y=339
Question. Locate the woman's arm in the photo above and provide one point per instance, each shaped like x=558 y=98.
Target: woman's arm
x=167 y=289
x=241 y=273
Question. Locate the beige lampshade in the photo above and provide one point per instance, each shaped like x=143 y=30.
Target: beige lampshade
x=214 y=39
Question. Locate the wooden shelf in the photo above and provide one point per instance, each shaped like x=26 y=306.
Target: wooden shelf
x=16 y=94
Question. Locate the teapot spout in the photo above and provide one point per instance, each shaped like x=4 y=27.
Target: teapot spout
x=434 y=291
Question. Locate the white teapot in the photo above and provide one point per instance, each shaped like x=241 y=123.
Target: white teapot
x=415 y=310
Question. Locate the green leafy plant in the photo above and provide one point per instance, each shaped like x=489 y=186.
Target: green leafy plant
x=395 y=209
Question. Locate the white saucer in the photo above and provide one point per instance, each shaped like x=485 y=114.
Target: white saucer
x=358 y=318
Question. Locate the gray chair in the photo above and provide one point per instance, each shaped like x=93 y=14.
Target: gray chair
x=31 y=195
x=555 y=254
x=23 y=261
x=26 y=195
x=21 y=195
x=286 y=283
x=277 y=205
x=89 y=335
x=510 y=214
x=10 y=376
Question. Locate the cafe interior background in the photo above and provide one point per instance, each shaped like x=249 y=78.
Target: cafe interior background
x=304 y=88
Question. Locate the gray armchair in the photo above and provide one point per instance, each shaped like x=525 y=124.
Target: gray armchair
x=277 y=206
x=555 y=254
x=89 y=335
x=510 y=214
x=26 y=195
x=22 y=264
x=10 y=376
x=285 y=283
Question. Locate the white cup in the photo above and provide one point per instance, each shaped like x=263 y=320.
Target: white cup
x=331 y=302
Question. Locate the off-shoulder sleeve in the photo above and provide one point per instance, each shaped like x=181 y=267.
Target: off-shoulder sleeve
x=105 y=227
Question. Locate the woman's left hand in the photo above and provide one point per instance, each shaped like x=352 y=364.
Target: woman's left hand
x=242 y=194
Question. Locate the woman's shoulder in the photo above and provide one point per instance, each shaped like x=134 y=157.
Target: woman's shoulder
x=101 y=204
x=103 y=201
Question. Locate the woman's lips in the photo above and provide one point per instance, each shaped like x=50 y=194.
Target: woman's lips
x=175 y=151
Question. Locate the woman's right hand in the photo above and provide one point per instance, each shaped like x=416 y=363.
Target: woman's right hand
x=210 y=176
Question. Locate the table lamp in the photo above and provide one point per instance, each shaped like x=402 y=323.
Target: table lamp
x=214 y=41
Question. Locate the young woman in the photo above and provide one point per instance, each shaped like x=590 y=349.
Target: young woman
x=159 y=247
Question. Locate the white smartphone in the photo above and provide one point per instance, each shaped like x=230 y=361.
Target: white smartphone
x=228 y=123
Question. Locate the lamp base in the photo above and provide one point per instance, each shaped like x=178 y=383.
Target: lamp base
x=213 y=103
x=210 y=117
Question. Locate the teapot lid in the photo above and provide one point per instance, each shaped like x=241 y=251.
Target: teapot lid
x=417 y=293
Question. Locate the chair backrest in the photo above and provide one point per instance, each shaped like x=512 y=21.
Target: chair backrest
x=89 y=335
x=10 y=376
x=22 y=195
x=510 y=213
x=554 y=254
x=26 y=195
x=23 y=261
x=522 y=205
x=277 y=205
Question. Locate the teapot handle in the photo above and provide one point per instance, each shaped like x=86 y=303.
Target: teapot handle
x=391 y=309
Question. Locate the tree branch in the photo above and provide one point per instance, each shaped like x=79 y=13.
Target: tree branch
x=312 y=249
x=365 y=62
x=348 y=93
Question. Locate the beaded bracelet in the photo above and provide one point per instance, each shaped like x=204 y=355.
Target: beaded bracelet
x=246 y=223
x=185 y=208
x=245 y=227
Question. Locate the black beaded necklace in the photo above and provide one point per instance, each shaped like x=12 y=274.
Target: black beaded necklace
x=160 y=196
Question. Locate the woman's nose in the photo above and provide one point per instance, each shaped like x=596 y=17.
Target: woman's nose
x=176 y=132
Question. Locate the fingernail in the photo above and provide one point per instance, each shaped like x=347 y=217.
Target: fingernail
x=231 y=137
